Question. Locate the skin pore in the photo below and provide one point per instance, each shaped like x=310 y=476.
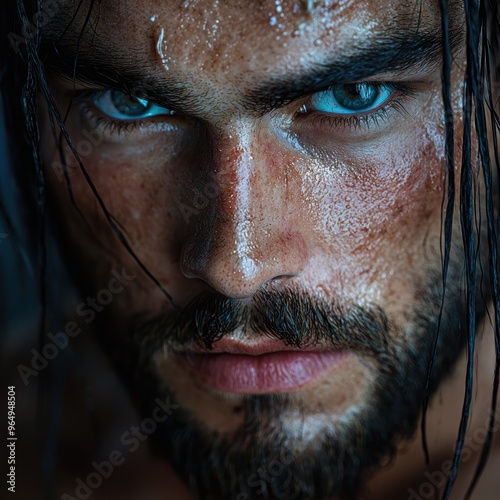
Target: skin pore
x=343 y=209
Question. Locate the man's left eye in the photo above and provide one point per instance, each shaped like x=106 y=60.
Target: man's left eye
x=120 y=106
x=351 y=98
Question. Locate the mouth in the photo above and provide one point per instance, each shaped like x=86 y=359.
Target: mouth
x=265 y=367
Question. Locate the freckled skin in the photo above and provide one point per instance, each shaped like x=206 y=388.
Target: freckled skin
x=350 y=215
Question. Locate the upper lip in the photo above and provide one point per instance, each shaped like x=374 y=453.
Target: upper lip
x=263 y=346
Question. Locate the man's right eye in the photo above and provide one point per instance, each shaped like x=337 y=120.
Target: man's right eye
x=122 y=107
x=352 y=98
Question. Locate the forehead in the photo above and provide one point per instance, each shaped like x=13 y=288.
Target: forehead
x=203 y=37
x=201 y=27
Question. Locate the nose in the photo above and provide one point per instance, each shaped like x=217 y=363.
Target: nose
x=250 y=235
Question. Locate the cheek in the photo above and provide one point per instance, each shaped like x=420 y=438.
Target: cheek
x=365 y=218
x=382 y=195
x=374 y=222
x=134 y=178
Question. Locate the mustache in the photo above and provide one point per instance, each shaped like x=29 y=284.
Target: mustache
x=291 y=316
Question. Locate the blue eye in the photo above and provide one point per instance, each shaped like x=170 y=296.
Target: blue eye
x=120 y=106
x=351 y=98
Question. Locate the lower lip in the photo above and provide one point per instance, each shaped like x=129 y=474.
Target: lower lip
x=281 y=371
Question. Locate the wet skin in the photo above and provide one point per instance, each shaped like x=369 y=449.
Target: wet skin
x=345 y=207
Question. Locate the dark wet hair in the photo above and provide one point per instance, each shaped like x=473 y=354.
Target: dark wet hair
x=22 y=76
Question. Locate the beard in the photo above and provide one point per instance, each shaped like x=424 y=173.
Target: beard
x=263 y=458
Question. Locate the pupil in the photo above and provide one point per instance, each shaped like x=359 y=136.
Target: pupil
x=356 y=96
x=127 y=105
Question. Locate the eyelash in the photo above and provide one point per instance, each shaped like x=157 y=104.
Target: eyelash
x=367 y=120
x=356 y=122
x=353 y=122
x=109 y=125
x=84 y=99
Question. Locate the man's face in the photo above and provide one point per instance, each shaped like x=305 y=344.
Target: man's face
x=280 y=173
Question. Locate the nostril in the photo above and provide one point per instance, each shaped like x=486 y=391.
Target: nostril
x=195 y=255
x=190 y=266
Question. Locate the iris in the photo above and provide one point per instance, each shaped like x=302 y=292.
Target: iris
x=120 y=106
x=352 y=98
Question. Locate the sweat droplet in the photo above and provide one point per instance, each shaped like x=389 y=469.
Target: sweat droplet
x=161 y=49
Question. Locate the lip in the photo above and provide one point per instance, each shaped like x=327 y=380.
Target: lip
x=265 y=346
x=261 y=368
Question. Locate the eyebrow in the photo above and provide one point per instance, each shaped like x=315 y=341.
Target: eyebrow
x=402 y=52
x=399 y=54
x=95 y=68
